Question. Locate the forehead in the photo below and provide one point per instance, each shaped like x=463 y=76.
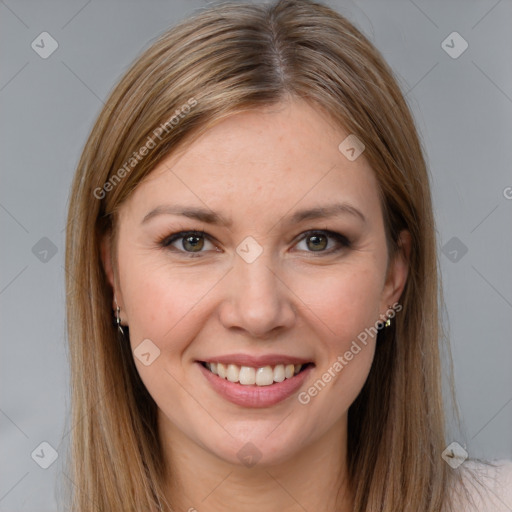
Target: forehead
x=267 y=160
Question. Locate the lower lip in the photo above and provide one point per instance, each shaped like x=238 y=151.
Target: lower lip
x=255 y=396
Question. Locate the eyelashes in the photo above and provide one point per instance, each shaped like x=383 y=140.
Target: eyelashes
x=197 y=239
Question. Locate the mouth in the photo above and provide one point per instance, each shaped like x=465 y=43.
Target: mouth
x=255 y=376
x=255 y=382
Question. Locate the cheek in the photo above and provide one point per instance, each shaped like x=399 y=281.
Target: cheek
x=161 y=303
x=344 y=301
x=347 y=309
x=167 y=307
x=158 y=303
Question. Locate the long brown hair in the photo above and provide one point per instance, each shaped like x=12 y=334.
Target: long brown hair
x=227 y=59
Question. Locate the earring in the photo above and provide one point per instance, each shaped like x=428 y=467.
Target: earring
x=384 y=323
x=388 y=319
x=118 y=318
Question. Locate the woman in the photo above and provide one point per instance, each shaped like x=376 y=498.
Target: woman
x=252 y=281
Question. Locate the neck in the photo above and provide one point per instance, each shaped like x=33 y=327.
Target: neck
x=314 y=479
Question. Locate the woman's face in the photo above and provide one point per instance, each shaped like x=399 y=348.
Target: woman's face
x=291 y=269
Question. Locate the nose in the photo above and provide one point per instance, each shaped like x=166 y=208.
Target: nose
x=257 y=300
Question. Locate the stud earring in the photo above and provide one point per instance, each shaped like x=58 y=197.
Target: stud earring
x=388 y=320
x=384 y=323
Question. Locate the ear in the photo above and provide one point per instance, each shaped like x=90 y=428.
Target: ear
x=106 y=259
x=398 y=271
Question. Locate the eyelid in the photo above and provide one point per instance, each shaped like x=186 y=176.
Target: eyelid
x=177 y=235
x=343 y=241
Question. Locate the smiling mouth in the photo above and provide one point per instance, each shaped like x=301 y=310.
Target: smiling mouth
x=250 y=376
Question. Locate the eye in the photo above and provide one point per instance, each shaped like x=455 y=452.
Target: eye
x=318 y=241
x=193 y=242
x=186 y=241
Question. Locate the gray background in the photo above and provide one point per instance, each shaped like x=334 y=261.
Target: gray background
x=463 y=110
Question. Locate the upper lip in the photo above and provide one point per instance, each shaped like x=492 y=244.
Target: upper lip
x=256 y=361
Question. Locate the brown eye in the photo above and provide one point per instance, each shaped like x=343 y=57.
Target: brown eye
x=316 y=242
x=193 y=243
x=323 y=242
x=190 y=243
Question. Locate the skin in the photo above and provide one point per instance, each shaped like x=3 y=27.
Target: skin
x=256 y=168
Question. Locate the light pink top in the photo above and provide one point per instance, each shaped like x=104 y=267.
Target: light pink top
x=495 y=493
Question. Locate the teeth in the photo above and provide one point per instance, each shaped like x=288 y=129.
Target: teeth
x=233 y=373
x=264 y=376
x=279 y=375
x=247 y=376
x=221 y=370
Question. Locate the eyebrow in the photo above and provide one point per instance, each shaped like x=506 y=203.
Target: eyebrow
x=211 y=217
x=201 y=214
x=327 y=211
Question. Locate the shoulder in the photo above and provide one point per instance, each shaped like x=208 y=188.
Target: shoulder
x=487 y=486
